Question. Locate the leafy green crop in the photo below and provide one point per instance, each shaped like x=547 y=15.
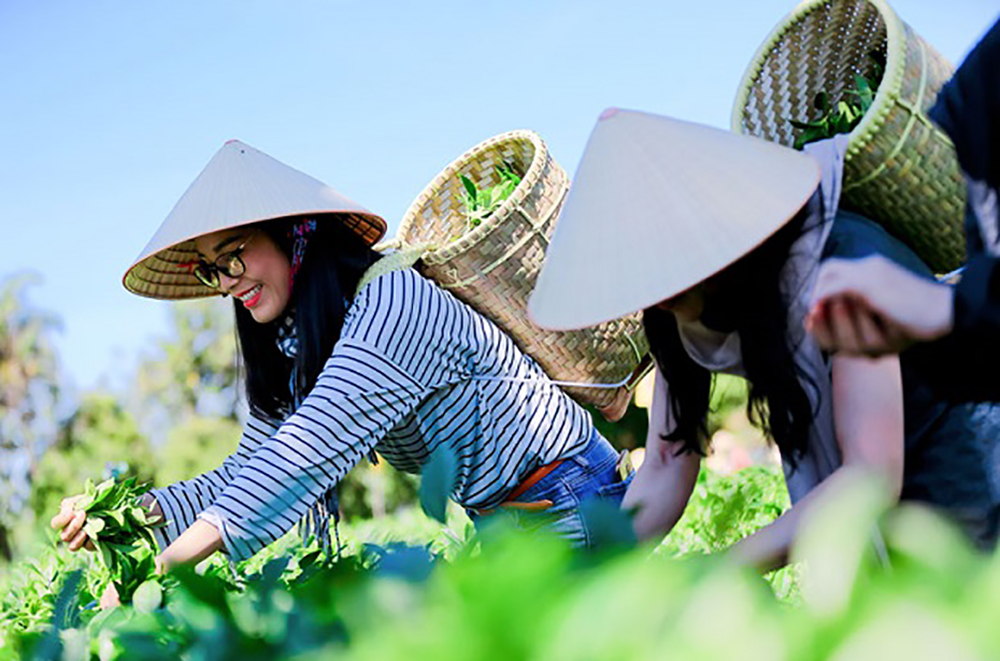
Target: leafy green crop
x=479 y=204
x=530 y=597
x=847 y=113
x=121 y=529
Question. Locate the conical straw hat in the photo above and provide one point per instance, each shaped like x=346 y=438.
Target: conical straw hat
x=658 y=205
x=240 y=185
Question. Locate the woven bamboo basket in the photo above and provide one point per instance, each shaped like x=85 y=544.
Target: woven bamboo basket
x=900 y=169
x=493 y=267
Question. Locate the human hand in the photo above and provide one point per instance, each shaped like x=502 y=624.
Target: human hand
x=70 y=522
x=873 y=307
x=614 y=411
x=109 y=598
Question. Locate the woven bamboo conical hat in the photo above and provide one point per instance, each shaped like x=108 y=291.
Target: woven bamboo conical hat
x=657 y=206
x=239 y=186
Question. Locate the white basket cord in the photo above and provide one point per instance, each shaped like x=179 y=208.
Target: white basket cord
x=400 y=255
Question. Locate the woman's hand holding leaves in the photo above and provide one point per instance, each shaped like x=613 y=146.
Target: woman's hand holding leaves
x=71 y=522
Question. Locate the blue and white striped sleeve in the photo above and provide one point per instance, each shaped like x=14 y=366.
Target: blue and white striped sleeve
x=359 y=397
x=181 y=502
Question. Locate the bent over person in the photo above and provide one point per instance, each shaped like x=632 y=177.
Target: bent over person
x=342 y=360
x=719 y=247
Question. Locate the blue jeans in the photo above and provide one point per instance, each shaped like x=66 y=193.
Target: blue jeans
x=590 y=474
x=954 y=465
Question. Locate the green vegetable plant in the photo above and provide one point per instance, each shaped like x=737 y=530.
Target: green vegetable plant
x=121 y=530
x=920 y=592
x=846 y=114
x=479 y=204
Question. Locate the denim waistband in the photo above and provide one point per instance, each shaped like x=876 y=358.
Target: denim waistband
x=596 y=450
x=595 y=453
x=586 y=472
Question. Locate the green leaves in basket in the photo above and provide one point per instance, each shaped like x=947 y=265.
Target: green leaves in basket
x=479 y=204
x=864 y=92
x=846 y=114
x=121 y=529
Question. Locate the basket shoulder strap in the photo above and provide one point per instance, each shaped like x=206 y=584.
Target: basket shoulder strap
x=403 y=257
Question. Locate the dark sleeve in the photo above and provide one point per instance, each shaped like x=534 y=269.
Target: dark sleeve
x=962 y=365
x=968 y=109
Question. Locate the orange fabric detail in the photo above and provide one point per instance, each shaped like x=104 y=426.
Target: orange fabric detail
x=529 y=482
x=532 y=480
x=537 y=506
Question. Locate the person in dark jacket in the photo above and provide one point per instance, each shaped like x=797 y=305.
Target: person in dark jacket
x=872 y=306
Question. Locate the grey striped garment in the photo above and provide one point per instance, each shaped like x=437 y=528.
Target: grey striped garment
x=414 y=369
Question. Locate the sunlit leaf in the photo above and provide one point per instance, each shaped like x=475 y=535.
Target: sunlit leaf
x=437 y=480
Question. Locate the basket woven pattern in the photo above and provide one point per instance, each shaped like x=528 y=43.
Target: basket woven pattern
x=900 y=169
x=493 y=267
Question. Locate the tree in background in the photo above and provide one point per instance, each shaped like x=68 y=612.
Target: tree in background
x=29 y=392
x=195 y=446
x=98 y=441
x=193 y=371
x=376 y=490
x=186 y=394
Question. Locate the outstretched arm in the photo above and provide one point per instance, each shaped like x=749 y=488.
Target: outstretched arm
x=868 y=420
x=358 y=398
x=662 y=486
x=180 y=503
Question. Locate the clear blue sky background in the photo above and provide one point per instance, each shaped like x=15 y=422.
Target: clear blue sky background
x=108 y=110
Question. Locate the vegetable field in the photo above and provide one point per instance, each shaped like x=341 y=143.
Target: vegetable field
x=406 y=587
x=864 y=582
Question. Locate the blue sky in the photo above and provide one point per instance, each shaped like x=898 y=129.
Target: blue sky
x=110 y=109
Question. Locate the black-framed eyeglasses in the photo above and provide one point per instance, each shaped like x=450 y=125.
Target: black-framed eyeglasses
x=228 y=263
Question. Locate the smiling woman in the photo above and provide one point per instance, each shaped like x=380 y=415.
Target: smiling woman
x=265 y=289
x=339 y=365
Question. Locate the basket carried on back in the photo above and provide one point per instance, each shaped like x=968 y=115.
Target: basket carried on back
x=493 y=267
x=901 y=169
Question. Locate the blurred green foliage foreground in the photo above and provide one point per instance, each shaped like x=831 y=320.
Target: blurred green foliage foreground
x=874 y=584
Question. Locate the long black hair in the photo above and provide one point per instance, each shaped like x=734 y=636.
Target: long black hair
x=332 y=265
x=748 y=300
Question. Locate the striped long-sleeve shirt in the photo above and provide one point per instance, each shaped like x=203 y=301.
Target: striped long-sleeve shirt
x=414 y=369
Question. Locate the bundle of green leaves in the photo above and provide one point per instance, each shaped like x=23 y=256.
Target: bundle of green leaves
x=479 y=204
x=121 y=530
x=847 y=113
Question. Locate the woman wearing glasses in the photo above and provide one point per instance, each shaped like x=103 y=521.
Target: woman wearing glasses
x=338 y=366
